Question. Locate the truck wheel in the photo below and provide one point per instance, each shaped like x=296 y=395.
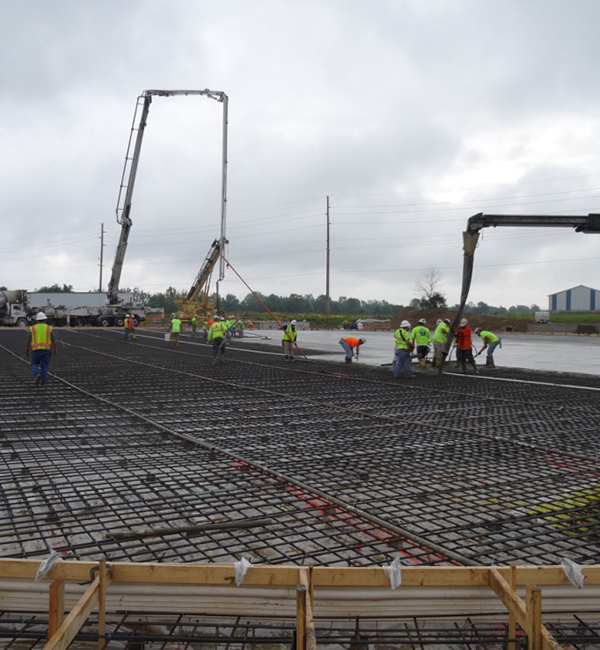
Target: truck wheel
x=104 y=322
x=22 y=322
x=119 y=322
x=136 y=321
x=80 y=322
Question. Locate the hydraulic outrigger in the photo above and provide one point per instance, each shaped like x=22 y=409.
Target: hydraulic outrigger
x=476 y=223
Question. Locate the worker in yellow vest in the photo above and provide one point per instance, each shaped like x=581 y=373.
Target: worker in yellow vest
x=175 y=329
x=491 y=342
x=290 y=335
x=41 y=343
x=404 y=347
x=216 y=334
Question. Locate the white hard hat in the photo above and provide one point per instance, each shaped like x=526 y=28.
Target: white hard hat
x=404 y=323
x=438 y=321
x=293 y=322
x=363 y=340
x=41 y=316
x=422 y=321
x=463 y=322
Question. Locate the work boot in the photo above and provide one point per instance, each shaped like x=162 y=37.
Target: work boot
x=475 y=371
x=489 y=362
x=422 y=363
x=464 y=368
x=348 y=360
x=38 y=379
x=287 y=358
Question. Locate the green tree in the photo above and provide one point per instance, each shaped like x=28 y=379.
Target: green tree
x=55 y=288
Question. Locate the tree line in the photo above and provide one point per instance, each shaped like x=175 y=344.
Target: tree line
x=308 y=304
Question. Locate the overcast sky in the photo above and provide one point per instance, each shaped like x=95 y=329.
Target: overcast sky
x=411 y=115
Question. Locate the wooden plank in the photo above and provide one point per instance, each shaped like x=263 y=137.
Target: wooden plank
x=56 y=607
x=311 y=635
x=67 y=631
x=104 y=581
x=301 y=595
x=533 y=622
x=282 y=576
x=512 y=619
x=508 y=596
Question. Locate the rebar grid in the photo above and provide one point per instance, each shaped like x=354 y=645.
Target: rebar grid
x=167 y=631
x=412 y=456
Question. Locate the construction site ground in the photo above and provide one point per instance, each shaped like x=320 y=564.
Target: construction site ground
x=139 y=452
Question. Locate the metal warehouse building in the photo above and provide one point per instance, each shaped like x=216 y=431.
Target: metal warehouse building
x=579 y=298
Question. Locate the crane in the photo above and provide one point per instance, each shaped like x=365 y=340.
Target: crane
x=130 y=171
x=190 y=305
x=579 y=223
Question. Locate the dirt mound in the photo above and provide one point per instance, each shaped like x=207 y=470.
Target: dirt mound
x=491 y=323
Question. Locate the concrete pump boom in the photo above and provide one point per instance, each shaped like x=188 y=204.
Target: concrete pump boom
x=130 y=171
x=584 y=223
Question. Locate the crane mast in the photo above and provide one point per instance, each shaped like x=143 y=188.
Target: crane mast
x=128 y=177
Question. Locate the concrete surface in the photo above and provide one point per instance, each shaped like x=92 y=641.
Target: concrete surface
x=579 y=354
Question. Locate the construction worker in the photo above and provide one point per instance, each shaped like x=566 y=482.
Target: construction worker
x=419 y=337
x=442 y=328
x=464 y=347
x=126 y=327
x=194 y=324
x=290 y=335
x=351 y=343
x=404 y=347
x=130 y=326
x=175 y=329
x=491 y=342
x=41 y=343
x=216 y=334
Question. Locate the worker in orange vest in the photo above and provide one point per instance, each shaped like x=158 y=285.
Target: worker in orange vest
x=351 y=343
x=130 y=325
x=41 y=343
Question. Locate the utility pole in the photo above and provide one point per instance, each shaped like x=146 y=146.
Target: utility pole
x=327 y=300
x=101 y=254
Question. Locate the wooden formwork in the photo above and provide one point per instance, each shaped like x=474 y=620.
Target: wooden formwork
x=310 y=590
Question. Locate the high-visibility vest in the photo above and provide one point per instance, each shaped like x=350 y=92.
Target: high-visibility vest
x=41 y=336
x=217 y=330
x=175 y=325
x=402 y=338
x=490 y=336
x=420 y=335
x=441 y=333
x=290 y=334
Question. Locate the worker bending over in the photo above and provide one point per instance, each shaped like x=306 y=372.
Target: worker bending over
x=404 y=347
x=42 y=343
x=290 y=335
x=491 y=342
x=419 y=337
x=216 y=334
x=351 y=343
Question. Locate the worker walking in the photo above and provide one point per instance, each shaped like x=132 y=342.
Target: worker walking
x=194 y=324
x=419 y=337
x=175 y=329
x=404 y=347
x=216 y=334
x=126 y=327
x=440 y=334
x=351 y=343
x=41 y=343
x=290 y=335
x=491 y=342
x=130 y=326
x=464 y=347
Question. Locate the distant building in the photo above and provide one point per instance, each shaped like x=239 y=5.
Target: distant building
x=576 y=299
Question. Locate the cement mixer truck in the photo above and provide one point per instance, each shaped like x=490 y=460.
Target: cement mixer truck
x=14 y=309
